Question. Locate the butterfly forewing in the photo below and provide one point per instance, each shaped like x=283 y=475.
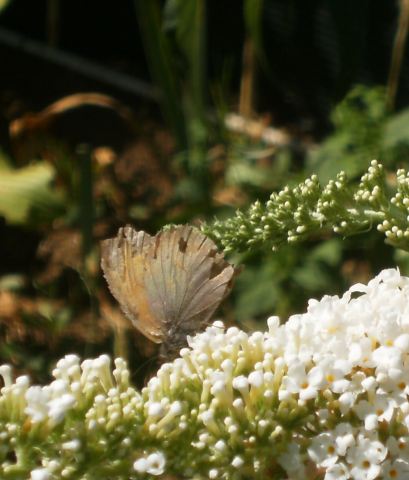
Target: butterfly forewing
x=191 y=276
x=123 y=263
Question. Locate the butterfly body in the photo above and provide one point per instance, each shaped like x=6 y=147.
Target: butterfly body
x=168 y=285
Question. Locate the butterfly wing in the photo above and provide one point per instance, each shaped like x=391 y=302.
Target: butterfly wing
x=189 y=279
x=124 y=265
x=168 y=285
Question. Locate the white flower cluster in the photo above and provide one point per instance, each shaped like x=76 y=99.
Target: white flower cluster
x=44 y=419
x=329 y=388
x=323 y=396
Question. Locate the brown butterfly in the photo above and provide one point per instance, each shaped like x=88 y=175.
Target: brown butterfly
x=168 y=285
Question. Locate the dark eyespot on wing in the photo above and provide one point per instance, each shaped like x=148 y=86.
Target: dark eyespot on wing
x=182 y=245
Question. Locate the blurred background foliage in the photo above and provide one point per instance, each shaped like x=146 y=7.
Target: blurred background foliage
x=179 y=111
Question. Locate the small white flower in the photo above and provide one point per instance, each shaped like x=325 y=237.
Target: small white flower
x=365 y=458
x=213 y=473
x=155 y=409
x=381 y=408
x=40 y=474
x=399 y=447
x=141 y=465
x=220 y=445
x=58 y=407
x=256 y=379
x=339 y=471
x=323 y=450
x=395 y=470
x=305 y=384
x=37 y=399
x=388 y=360
x=344 y=437
x=241 y=383
x=154 y=464
x=402 y=342
x=360 y=352
x=237 y=462
x=72 y=445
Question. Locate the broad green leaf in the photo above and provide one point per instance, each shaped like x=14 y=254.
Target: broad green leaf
x=397 y=129
x=26 y=195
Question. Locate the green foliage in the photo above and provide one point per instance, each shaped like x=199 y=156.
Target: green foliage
x=363 y=130
x=359 y=122
x=244 y=171
x=396 y=137
x=26 y=196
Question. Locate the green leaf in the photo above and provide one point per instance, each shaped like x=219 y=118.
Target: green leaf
x=26 y=195
x=242 y=174
x=359 y=122
x=257 y=291
x=338 y=153
x=397 y=129
x=315 y=273
x=329 y=252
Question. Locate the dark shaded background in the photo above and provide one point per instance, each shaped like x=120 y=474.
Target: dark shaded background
x=316 y=51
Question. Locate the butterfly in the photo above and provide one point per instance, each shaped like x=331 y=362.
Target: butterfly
x=168 y=285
